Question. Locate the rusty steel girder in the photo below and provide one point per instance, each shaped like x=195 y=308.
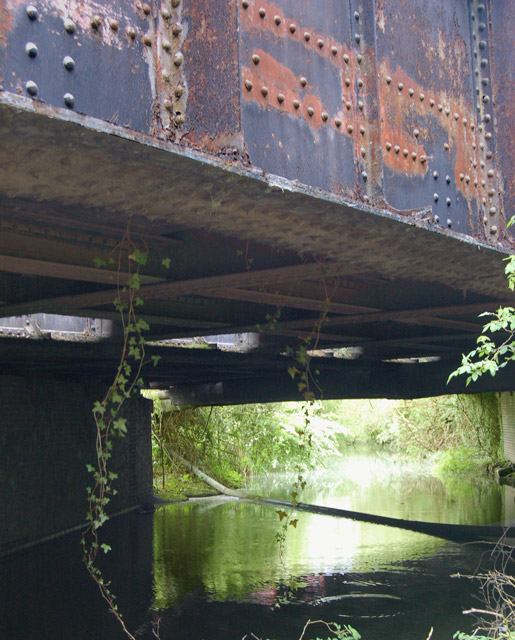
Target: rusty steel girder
x=402 y=104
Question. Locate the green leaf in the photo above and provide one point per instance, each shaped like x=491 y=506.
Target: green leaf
x=140 y=257
x=155 y=360
x=166 y=263
x=98 y=262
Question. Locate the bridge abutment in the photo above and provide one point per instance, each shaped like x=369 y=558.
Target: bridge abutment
x=48 y=438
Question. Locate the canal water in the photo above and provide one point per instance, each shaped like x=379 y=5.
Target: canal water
x=212 y=568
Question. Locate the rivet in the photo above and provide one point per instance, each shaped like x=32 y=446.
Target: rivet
x=449 y=222
x=359 y=58
x=32 y=12
x=69 y=25
x=405 y=153
x=362 y=130
x=245 y=4
x=456 y=116
x=262 y=12
x=146 y=9
x=487 y=117
x=179 y=91
x=360 y=82
x=357 y=37
x=490 y=173
x=293 y=28
x=131 y=32
x=483 y=183
x=476 y=182
x=462 y=177
x=311 y=111
x=177 y=28
x=168 y=104
x=436 y=219
x=69 y=100
x=416 y=133
x=440 y=107
x=96 y=21
x=325 y=116
x=179 y=119
x=482 y=44
x=491 y=192
x=280 y=98
x=493 y=229
x=447 y=111
x=348 y=105
x=486 y=99
x=68 y=63
x=165 y=12
x=480 y=8
x=396 y=148
x=255 y=58
x=448 y=179
x=388 y=79
x=296 y=103
x=320 y=43
x=277 y=20
x=350 y=128
x=472 y=126
x=423 y=159
x=435 y=175
x=484 y=81
x=338 y=122
x=307 y=36
x=264 y=91
x=361 y=105
x=364 y=175
x=492 y=211
x=422 y=97
x=448 y=202
x=488 y=135
x=489 y=155
x=388 y=146
x=464 y=122
x=474 y=162
x=167 y=45
x=178 y=59
x=482 y=146
x=31 y=88
x=334 y=50
x=411 y=91
x=431 y=102
x=356 y=15
x=165 y=75
x=363 y=152
x=467 y=179
x=480 y=127
x=414 y=155
x=400 y=86
x=483 y=63
x=113 y=24
x=147 y=40
x=485 y=220
x=248 y=85
x=31 y=49
x=436 y=197
x=347 y=82
x=446 y=146
x=346 y=58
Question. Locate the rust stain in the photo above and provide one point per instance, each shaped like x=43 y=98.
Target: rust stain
x=272 y=85
x=8 y=9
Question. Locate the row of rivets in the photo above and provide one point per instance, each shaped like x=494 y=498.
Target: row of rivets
x=174 y=99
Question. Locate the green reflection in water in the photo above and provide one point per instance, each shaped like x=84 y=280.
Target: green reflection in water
x=226 y=549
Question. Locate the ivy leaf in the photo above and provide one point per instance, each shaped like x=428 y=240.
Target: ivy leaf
x=294 y=522
x=155 y=360
x=98 y=262
x=166 y=263
x=140 y=257
x=282 y=514
x=293 y=371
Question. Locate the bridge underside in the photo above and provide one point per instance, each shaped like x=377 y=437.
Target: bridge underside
x=260 y=224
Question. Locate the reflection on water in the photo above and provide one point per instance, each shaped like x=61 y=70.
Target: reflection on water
x=218 y=574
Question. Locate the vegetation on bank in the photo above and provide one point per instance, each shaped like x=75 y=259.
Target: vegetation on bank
x=458 y=434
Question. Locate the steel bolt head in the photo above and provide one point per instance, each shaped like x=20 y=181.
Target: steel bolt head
x=303 y=81
x=264 y=91
x=357 y=37
x=255 y=58
x=69 y=100
x=491 y=192
x=177 y=28
x=446 y=146
x=493 y=229
x=147 y=40
x=325 y=116
x=431 y=102
x=311 y=112
x=365 y=176
x=262 y=12
x=405 y=153
x=486 y=99
x=436 y=197
x=356 y=15
x=96 y=22
x=449 y=223
x=490 y=173
x=422 y=97
x=440 y=107
x=414 y=155
x=483 y=63
x=68 y=63
x=350 y=128
x=296 y=103
x=346 y=58
x=131 y=32
x=277 y=20
x=492 y=211
x=31 y=49
x=411 y=91
x=178 y=59
x=467 y=179
x=400 y=86
x=436 y=219
x=113 y=24
x=416 y=133
x=31 y=88
x=347 y=82
x=32 y=12
x=396 y=149
x=487 y=117
x=338 y=122
x=362 y=130
x=360 y=82
x=448 y=179
x=348 y=105
x=293 y=28
x=488 y=135
x=448 y=202
x=482 y=44
x=165 y=12
x=423 y=159
x=435 y=175
x=167 y=45
x=248 y=85
x=320 y=43
x=388 y=146
x=363 y=152
x=359 y=58
x=280 y=98
x=447 y=111
x=388 y=79
x=334 y=50
x=361 y=105
x=245 y=4
x=307 y=36
x=146 y=9
x=69 y=25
